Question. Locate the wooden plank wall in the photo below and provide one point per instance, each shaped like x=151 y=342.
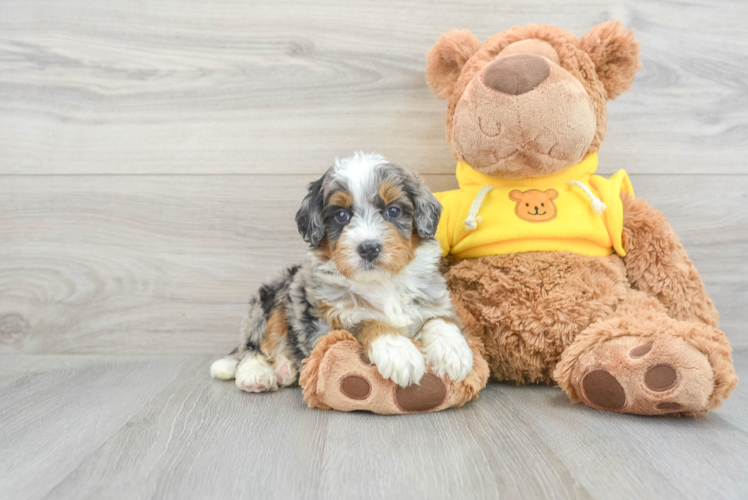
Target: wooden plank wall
x=152 y=154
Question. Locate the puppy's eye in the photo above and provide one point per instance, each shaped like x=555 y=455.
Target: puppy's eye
x=393 y=212
x=342 y=216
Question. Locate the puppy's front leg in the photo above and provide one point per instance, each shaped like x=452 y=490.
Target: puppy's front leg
x=445 y=348
x=395 y=356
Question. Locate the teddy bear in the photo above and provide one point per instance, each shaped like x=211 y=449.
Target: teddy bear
x=564 y=275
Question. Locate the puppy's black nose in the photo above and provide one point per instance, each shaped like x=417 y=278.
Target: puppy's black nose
x=369 y=250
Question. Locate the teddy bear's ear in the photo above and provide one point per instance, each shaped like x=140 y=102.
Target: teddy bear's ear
x=516 y=195
x=615 y=53
x=446 y=58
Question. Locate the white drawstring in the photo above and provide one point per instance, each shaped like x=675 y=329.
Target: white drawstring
x=472 y=220
x=597 y=205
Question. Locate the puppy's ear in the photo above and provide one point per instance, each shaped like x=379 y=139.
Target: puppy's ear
x=309 y=216
x=615 y=53
x=427 y=208
x=446 y=59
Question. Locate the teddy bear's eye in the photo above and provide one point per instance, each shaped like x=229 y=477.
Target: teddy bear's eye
x=527 y=204
x=542 y=204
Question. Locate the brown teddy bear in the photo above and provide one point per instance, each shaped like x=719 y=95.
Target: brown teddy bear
x=565 y=276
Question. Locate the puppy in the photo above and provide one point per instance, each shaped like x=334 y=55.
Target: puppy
x=372 y=269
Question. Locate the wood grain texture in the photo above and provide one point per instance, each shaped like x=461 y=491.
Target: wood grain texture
x=230 y=86
x=102 y=264
x=186 y=436
x=57 y=410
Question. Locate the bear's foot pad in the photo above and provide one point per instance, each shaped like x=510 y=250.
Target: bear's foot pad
x=603 y=390
x=663 y=374
x=430 y=393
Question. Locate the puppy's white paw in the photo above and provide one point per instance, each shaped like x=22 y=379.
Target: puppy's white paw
x=398 y=359
x=254 y=374
x=446 y=350
x=224 y=368
x=285 y=371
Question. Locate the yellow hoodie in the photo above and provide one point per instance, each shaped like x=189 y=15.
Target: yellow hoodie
x=572 y=211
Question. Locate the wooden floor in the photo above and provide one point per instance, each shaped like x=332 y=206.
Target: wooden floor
x=156 y=426
x=152 y=156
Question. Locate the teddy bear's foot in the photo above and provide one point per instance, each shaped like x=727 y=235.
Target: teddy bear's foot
x=338 y=375
x=676 y=368
x=646 y=376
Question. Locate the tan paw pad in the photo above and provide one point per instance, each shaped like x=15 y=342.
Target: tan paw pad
x=603 y=390
x=661 y=378
x=428 y=394
x=355 y=387
x=640 y=351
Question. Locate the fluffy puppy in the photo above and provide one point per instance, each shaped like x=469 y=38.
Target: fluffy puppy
x=371 y=269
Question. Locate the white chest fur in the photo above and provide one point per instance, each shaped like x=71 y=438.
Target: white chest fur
x=404 y=300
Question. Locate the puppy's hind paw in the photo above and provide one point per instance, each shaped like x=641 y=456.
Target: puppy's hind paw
x=254 y=374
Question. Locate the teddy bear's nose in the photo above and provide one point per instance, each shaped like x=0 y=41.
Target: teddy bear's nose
x=516 y=74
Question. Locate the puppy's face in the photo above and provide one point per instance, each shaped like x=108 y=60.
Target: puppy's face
x=368 y=216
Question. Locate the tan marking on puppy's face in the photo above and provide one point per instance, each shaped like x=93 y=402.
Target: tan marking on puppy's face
x=534 y=205
x=345 y=259
x=399 y=243
x=340 y=199
x=390 y=192
x=399 y=250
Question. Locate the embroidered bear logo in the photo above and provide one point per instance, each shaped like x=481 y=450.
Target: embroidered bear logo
x=534 y=205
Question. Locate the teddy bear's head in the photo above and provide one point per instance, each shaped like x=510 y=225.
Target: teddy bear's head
x=531 y=100
x=535 y=205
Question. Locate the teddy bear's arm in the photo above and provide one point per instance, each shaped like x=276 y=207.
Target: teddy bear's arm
x=656 y=263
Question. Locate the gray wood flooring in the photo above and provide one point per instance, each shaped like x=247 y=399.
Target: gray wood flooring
x=152 y=155
x=156 y=426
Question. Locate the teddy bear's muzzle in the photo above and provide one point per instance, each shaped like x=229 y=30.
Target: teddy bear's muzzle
x=523 y=115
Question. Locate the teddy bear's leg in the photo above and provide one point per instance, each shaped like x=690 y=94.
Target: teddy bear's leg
x=644 y=362
x=657 y=264
x=339 y=375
